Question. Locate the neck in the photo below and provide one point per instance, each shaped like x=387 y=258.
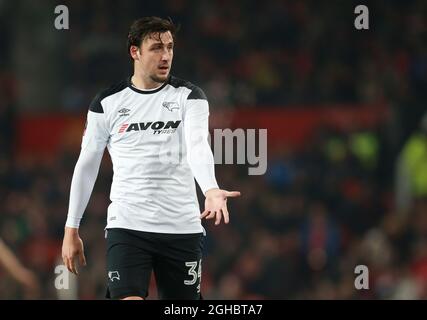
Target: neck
x=143 y=82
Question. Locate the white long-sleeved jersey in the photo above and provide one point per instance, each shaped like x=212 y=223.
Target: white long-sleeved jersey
x=157 y=140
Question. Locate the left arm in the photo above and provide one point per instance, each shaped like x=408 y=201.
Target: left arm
x=200 y=157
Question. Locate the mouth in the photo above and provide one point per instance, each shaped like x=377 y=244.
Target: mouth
x=164 y=68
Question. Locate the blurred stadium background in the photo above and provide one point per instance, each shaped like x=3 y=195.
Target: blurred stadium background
x=347 y=160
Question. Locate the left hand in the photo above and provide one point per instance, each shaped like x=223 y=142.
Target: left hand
x=216 y=205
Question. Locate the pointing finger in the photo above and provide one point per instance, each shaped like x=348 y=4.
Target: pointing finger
x=232 y=194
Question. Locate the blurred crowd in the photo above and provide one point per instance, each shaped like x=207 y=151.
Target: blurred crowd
x=242 y=53
x=278 y=53
x=299 y=231
x=299 y=234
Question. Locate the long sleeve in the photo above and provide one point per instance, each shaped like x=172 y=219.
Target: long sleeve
x=84 y=178
x=196 y=128
x=86 y=170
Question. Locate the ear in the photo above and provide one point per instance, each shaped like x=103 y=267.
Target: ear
x=134 y=52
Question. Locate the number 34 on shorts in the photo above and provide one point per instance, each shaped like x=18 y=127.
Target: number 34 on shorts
x=193 y=274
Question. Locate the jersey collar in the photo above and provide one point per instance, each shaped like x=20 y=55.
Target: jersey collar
x=129 y=82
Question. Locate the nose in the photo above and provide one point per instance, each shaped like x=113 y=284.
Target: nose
x=166 y=55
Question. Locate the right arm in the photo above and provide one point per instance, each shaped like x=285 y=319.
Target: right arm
x=85 y=173
x=84 y=178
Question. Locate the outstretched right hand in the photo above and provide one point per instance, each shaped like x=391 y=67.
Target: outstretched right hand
x=72 y=249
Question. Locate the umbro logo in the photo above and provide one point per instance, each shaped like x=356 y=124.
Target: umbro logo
x=171 y=106
x=124 y=112
x=113 y=275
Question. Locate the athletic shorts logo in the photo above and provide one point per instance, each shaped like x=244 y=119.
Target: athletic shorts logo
x=113 y=275
x=171 y=106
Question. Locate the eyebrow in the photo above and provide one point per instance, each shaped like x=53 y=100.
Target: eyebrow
x=161 y=44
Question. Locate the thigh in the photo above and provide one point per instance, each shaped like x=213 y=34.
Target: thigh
x=178 y=268
x=129 y=265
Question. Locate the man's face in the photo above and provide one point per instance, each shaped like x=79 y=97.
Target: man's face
x=156 y=54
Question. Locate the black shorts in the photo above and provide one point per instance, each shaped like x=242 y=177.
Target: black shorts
x=175 y=259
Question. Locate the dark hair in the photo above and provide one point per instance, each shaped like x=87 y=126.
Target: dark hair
x=144 y=27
